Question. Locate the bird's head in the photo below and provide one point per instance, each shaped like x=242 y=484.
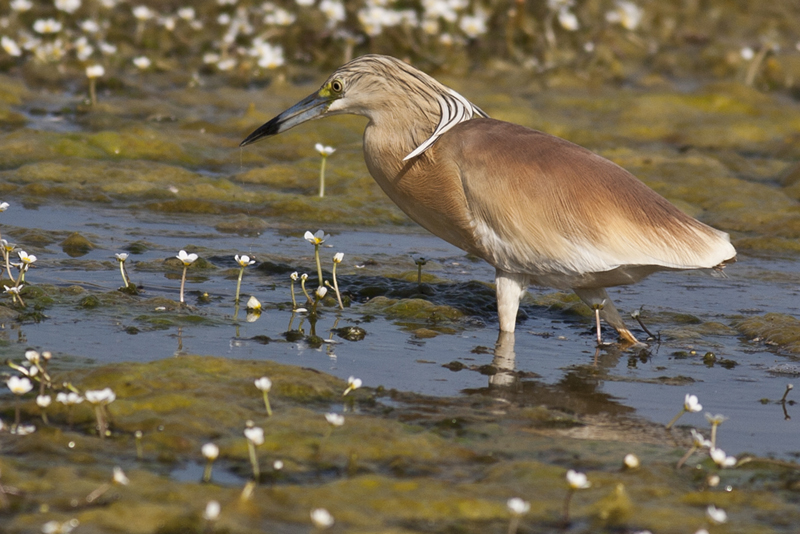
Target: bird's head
x=380 y=87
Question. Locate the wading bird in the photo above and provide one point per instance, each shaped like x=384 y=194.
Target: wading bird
x=540 y=209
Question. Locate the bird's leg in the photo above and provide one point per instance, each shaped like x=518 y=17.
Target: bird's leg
x=504 y=361
x=598 y=300
x=510 y=289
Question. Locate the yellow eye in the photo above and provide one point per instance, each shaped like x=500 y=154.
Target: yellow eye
x=337 y=86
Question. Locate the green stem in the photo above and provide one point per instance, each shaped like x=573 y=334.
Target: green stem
x=336 y=288
x=322 y=177
x=713 y=435
x=239 y=284
x=669 y=425
x=122 y=272
x=253 y=460
x=294 y=301
x=183 y=281
x=6 y=253
x=567 y=500
x=266 y=404
x=319 y=265
x=303 y=287
x=207 y=471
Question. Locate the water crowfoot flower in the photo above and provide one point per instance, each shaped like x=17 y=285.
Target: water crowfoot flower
x=698 y=442
x=264 y=384
x=54 y=527
x=324 y=151
x=211 y=513
x=26 y=260
x=420 y=262
x=337 y=259
x=255 y=437
x=518 y=508
x=321 y=518
x=353 y=384
x=187 y=260
x=715 y=421
x=303 y=278
x=334 y=420
x=294 y=278
x=43 y=401
x=690 y=404
x=721 y=459
x=243 y=261
x=631 y=461
x=576 y=481
x=14 y=292
x=69 y=400
x=210 y=453
x=8 y=248
x=121 y=257
x=18 y=386
x=716 y=515
x=317 y=239
x=93 y=72
x=319 y=294
x=100 y=399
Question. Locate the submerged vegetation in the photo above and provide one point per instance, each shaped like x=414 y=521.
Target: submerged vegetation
x=139 y=107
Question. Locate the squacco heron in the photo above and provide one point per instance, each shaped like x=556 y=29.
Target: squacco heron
x=540 y=209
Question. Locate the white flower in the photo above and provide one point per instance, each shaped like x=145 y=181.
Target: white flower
x=226 y=64
x=90 y=26
x=305 y=3
x=186 y=13
x=577 y=480
x=338 y=257
x=568 y=20
x=334 y=419
x=20 y=6
x=517 y=506
x=631 y=461
x=24 y=430
x=45 y=26
x=43 y=401
x=244 y=260
x=19 y=386
x=334 y=10
x=690 y=403
x=68 y=399
x=322 y=291
x=68 y=6
x=168 y=23
x=212 y=511
x=627 y=14
x=26 y=258
x=12 y=49
x=716 y=515
x=54 y=527
x=83 y=50
x=747 y=53
x=353 y=383
x=32 y=356
x=317 y=238
x=210 y=451
x=187 y=259
x=716 y=419
x=143 y=13
x=14 y=289
x=280 y=17
x=253 y=304
x=721 y=459
x=324 y=151
x=107 y=48
x=122 y=256
x=119 y=477
x=321 y=518
x=294 y=276
x=698 y=441
x=95 y=71
x=254 y=434
x=141 y=62
x=100 y=396
x=264 y=383
x=473 y=25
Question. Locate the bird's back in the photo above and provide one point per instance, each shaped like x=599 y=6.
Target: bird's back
x=547 y=207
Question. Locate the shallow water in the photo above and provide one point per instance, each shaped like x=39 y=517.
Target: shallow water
x=451 y=419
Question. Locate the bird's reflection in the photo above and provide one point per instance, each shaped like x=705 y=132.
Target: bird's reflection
x=504 y=361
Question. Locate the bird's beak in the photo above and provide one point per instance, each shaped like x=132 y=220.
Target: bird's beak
x=311 y=107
